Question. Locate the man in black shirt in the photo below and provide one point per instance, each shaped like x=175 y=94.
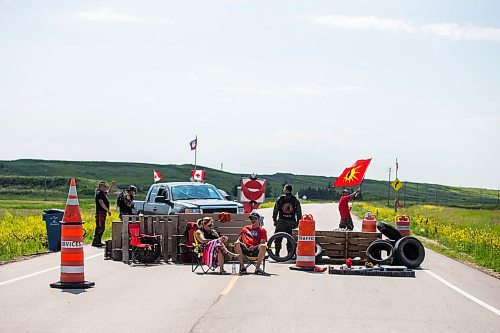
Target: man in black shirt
x=125 y=201
x=101 y=210
x=286 y=215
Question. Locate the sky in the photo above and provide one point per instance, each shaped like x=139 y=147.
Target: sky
x=305 y=87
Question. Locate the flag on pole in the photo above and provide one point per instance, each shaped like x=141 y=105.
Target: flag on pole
x=198 y=175
x=354 y=175
x=194 y=143
x=156 y=176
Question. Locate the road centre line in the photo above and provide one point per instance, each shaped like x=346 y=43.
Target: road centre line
x=3 y=283
x=230 y=285
x=464 y=293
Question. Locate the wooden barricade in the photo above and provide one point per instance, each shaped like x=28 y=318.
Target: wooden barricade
x=171 y=229
x=344 y=244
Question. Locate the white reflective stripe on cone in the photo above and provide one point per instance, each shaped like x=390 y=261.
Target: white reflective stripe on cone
x=72 y=202
x=72 y=190
x=71 y=269
x=305 y=258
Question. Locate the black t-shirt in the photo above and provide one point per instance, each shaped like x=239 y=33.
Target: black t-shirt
x=101 y=195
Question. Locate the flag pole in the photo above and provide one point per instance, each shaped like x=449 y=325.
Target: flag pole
x=195 y=149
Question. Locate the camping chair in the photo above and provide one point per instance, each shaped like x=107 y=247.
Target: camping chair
x=186 y=249
x=198 y=258
x=252 y=261
x=145 y=248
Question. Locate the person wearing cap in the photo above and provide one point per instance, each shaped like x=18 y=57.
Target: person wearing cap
x=125 y=201
x=345 y=212
x=286 y=215
x=252 y=242
x=101 y=211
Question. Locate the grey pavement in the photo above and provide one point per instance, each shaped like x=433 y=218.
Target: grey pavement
x=171 y=298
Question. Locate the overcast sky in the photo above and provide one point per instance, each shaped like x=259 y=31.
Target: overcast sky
x=305 y=87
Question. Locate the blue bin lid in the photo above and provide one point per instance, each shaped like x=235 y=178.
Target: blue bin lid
x=53 y=211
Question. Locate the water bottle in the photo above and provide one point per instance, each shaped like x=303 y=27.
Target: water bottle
x=233 y=270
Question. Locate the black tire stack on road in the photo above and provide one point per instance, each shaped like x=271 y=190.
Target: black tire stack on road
x=406 y=251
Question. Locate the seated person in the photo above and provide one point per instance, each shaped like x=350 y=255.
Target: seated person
x=252 y=243
x=213 y=245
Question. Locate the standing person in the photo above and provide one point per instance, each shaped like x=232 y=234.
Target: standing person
x=345 y=212
x=286 y=215
x=252 y=242
x=125 y=201
x=101 y=210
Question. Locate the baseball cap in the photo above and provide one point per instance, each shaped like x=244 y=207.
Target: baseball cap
x=254 y=215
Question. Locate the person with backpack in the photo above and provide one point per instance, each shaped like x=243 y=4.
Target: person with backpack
x=125 y=201
x=286 y=215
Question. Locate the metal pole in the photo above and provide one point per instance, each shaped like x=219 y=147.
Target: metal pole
x=195 y=152
x=389 y=188
x=45 y=185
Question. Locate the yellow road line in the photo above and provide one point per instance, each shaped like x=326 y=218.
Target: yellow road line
x=230 y=285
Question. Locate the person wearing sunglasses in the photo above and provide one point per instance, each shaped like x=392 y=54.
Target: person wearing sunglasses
x=214 y=245
x=101 y=211
x=252 y=242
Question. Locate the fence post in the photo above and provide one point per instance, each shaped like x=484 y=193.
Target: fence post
x=125 y=239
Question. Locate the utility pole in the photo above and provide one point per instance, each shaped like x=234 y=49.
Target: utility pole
x=404 y=199
x=221 y=166
x=389 y=188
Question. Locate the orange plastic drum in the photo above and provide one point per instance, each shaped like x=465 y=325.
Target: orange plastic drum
x=403 y=225
x=369 y=224
x=306 y=245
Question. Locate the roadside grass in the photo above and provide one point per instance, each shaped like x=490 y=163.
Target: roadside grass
x=473 y=232
x=23 y=232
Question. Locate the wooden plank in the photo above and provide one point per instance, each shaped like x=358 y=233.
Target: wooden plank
x=170 y=232
x=116 y=235
x=125 y=238
x=141 y=224
x=164 y=238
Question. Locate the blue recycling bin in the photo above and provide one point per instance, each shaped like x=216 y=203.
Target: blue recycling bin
x=53 y=218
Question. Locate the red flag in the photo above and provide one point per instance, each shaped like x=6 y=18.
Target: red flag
x=156 y=176
x=354 y=175
x=198 y=175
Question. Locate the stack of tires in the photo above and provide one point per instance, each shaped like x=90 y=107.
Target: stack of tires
x=396 y=250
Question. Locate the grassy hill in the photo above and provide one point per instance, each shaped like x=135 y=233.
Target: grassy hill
x=40 y=178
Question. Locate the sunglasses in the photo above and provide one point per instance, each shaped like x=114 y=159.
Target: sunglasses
x=210 y=225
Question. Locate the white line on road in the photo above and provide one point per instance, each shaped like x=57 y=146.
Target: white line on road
x=3 y=283
x=464 y=293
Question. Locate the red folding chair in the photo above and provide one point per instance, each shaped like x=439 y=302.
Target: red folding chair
x=145 y=248
x=186 y=249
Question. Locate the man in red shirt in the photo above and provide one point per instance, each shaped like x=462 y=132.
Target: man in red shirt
x=345 y=212
x=252 y=243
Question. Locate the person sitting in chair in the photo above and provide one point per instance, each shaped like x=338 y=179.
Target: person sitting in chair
x=252 y=243
x=214 y=246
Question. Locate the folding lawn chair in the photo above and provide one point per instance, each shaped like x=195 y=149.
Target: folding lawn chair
x=145 y=248
x=251 y=261
x=186 y=248
x=198 y=258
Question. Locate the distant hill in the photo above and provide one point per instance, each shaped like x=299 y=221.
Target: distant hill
x=35 y=178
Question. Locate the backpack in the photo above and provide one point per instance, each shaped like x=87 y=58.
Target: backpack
x=120 y=201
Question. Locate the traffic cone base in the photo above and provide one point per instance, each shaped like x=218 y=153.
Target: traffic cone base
x=72 y=285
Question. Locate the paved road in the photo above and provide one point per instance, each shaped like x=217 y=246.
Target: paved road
x=446 y=296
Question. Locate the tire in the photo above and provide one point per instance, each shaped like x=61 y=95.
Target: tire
x=409 y=252
x=374 y=252
x=389 y=231
x=270 y=246
x=319 y=253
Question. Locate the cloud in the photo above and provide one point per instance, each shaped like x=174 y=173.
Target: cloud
x=108 y=15
x=448 y=30
x=363 y=23
x=312 y=90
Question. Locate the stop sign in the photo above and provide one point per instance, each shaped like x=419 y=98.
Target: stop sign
x=253 y=190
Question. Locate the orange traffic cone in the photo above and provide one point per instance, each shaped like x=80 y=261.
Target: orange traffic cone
x=72 y=268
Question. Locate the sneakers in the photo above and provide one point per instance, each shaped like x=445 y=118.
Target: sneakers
x=259 y=271
x=243 y=271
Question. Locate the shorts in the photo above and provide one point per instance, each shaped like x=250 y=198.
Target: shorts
x=346 y=223
x=247 y=252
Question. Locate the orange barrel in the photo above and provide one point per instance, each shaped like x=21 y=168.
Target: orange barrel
x=403 y=225
x=306 y=244
x=369 y=224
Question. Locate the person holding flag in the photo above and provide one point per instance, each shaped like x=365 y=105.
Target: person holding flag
x=345 y=212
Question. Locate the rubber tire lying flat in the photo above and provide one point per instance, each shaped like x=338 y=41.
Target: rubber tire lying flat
x=389 y=231
x=270 y=246
x=409 y=252
x=374 y=252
